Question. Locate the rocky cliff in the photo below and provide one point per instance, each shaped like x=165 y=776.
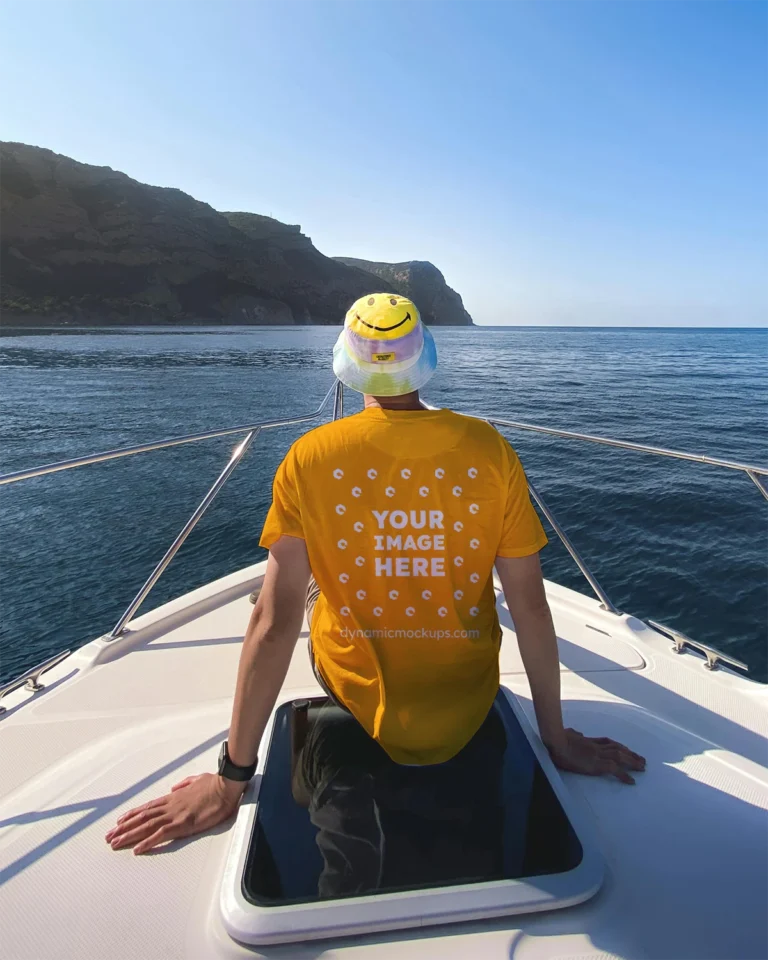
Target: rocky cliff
x=423 y=283
x=89 y=245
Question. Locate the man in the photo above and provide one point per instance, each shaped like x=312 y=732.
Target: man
x=399 y=513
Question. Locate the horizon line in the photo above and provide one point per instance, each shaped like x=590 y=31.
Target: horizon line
x=316 y=326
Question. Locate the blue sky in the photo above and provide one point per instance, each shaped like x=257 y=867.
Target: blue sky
x=561 y=162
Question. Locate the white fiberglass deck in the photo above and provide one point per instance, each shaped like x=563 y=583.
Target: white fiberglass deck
x=120 y=722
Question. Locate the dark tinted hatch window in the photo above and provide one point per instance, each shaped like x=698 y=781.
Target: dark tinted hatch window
x=336 y=817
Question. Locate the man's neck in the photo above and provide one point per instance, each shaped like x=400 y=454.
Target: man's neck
x=408 y=401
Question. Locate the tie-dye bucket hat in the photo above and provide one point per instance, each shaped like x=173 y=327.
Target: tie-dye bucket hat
x=384 y=349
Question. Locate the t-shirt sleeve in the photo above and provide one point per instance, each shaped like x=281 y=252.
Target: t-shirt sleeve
x=284 y=515
x=522 y=533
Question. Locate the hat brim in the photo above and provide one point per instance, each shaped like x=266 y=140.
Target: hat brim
x=384 y=383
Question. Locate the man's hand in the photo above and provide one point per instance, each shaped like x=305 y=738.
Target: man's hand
x=203 y=802
x=595 y=756
x=194 y=805
x=526 y=598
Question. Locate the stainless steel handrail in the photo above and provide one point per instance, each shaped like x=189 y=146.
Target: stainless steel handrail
x=580 y=563
x=627 y=445
x=338 y=401
x=31 y=678
x=591 y=579
x=237 y=455
x=161 y=444
x=681 y=641
x=760 y=484
x=45 y=469
x=252 y=431
x=753 y=472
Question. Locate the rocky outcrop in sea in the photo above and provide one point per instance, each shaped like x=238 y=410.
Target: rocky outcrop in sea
x=87 y=245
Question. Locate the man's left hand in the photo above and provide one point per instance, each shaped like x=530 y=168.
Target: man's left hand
x=595 y=756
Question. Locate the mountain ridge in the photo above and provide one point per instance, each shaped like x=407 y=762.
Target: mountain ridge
x=88 y=245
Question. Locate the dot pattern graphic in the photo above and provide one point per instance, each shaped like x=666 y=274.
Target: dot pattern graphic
x=421 y=529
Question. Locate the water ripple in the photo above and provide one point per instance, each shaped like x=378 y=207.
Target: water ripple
x=683 y=543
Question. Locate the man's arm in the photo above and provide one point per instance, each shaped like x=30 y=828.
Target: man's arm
x=201 y=802
x=523 y=586
x=268 y=646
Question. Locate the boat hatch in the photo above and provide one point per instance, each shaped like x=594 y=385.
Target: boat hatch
x=381 y=846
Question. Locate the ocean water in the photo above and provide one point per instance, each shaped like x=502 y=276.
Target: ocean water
x=682 y=543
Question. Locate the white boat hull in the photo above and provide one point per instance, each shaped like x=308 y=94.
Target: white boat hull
x=120 y=722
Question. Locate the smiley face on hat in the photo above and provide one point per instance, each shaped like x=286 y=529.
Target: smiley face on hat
x=384 y=349
x=382 y=316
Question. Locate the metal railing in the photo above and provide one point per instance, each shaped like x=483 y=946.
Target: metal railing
x=161 y=445
x=30 y=678
x=338 y=401
x=754 y=473
x=580 y=563
x=237 y=455
x=681 y=642
x=251 y=430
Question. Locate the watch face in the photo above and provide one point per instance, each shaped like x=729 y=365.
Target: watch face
x=231 y=771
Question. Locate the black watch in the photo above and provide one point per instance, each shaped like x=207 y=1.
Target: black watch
x=231 y=771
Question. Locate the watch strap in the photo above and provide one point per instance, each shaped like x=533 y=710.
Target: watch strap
x=233 y=771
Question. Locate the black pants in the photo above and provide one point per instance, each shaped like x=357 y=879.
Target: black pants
x=384 y=826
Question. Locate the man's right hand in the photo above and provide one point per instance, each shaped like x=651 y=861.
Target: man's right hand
x=201 y=803
x=194 y=805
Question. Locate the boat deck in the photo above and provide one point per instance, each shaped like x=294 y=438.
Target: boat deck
x=120 y=722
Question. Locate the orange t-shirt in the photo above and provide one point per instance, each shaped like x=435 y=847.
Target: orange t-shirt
x=403 y=513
